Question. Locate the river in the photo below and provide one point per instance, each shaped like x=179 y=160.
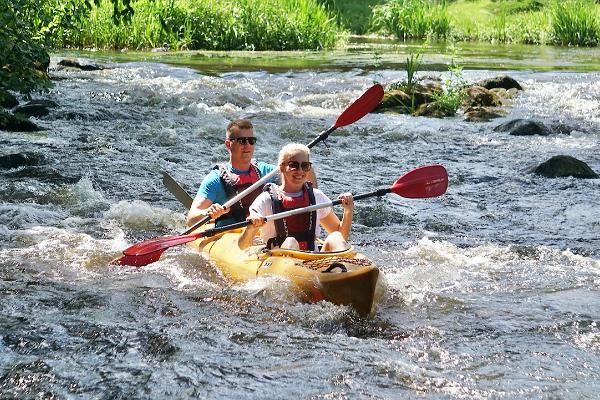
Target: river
x=493 y=289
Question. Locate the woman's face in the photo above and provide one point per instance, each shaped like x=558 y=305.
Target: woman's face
x=294 y=169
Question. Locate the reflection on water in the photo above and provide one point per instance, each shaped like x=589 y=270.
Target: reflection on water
x=372 y=54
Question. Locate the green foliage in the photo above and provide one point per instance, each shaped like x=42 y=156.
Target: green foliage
x=417 y=19
x=209 y=25
x=23 y=56
x=575 y=22
x=354 y=15
x=451 y=98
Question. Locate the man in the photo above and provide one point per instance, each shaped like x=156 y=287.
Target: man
x=227 y=180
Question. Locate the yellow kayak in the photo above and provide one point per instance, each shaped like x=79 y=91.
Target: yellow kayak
x=343 y=278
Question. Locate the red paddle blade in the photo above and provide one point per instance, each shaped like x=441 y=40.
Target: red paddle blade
x=149 y=251
x=138 y=261
x=422 y=183
x=361 y=106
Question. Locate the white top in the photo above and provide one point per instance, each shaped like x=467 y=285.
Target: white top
x=263 y=205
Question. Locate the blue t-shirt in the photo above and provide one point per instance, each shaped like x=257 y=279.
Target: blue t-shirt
x=213 y=190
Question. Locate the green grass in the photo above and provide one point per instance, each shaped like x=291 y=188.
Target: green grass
x=534 y=22
x=354 y=15
x=575 y=22
x=412 y=19
x=208 y=25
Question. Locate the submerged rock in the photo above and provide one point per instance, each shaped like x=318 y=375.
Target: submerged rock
x=563 y=166
x=17 y=123
x=69 y=63
x=16 y=160
x=483 y=114
x=524 y=127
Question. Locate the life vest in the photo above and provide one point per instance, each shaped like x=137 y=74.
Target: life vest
x=301 y=226
x=235 y=184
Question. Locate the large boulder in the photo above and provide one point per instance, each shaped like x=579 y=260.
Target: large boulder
x=562 y=166
x=524 y=127
x=503 y=81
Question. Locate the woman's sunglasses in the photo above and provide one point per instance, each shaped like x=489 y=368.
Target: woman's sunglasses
x=294 y=165
x=244 y=140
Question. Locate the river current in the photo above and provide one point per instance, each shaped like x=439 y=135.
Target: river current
x=493 y=289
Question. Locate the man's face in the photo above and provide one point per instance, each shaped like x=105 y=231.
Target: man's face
x=240 y=147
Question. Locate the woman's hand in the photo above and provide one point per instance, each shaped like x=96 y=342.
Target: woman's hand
x=256 y=219
x=347 y=201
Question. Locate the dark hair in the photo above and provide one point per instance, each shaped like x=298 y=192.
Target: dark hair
x=236 y=125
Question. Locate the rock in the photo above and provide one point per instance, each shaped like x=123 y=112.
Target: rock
x=10 y=161
x=562 y=166
x=68 y=63
x=35 y=108
x=404 y=100
x=31 y=110
x=7 y=99
x=503 y=81
x=483 y=114
x=523 y=127
x=432 y=110
x=480 y=96
x=395 y=100
x=17 y=123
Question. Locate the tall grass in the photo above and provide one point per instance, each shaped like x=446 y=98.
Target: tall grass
x=417 y=19
x=575 y=22
x=208 y=24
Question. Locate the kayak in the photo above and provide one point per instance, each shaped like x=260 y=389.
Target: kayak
x=343 y=278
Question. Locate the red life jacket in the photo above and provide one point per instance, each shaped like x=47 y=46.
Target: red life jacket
x=301 y=226
x=235 y=184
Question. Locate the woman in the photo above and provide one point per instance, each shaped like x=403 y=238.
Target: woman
x=298 y=231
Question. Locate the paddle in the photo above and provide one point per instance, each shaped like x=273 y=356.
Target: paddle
x=355 y=111
x=422 y=183
x=177 y=191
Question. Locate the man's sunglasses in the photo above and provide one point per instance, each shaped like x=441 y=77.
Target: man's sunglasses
x=294 y=165
x=244 y=140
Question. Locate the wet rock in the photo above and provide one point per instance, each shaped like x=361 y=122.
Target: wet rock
x=35 y=108
x=480 y=96
x=404 y=100
x=524 y=127
x=10 y=161
x=483 y=114
x=433 y=110
x=562 y=166
x=7 y=99
x=69 y=63
x=503 y=81
x=17 y=123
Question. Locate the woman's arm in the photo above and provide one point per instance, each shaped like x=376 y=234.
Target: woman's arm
x=332 y=223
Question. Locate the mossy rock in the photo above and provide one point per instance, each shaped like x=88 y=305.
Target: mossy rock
x=563 y=166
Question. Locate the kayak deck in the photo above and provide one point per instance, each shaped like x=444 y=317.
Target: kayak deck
x=343 y=278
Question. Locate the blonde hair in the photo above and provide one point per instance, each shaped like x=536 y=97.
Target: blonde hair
x=290 y=150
